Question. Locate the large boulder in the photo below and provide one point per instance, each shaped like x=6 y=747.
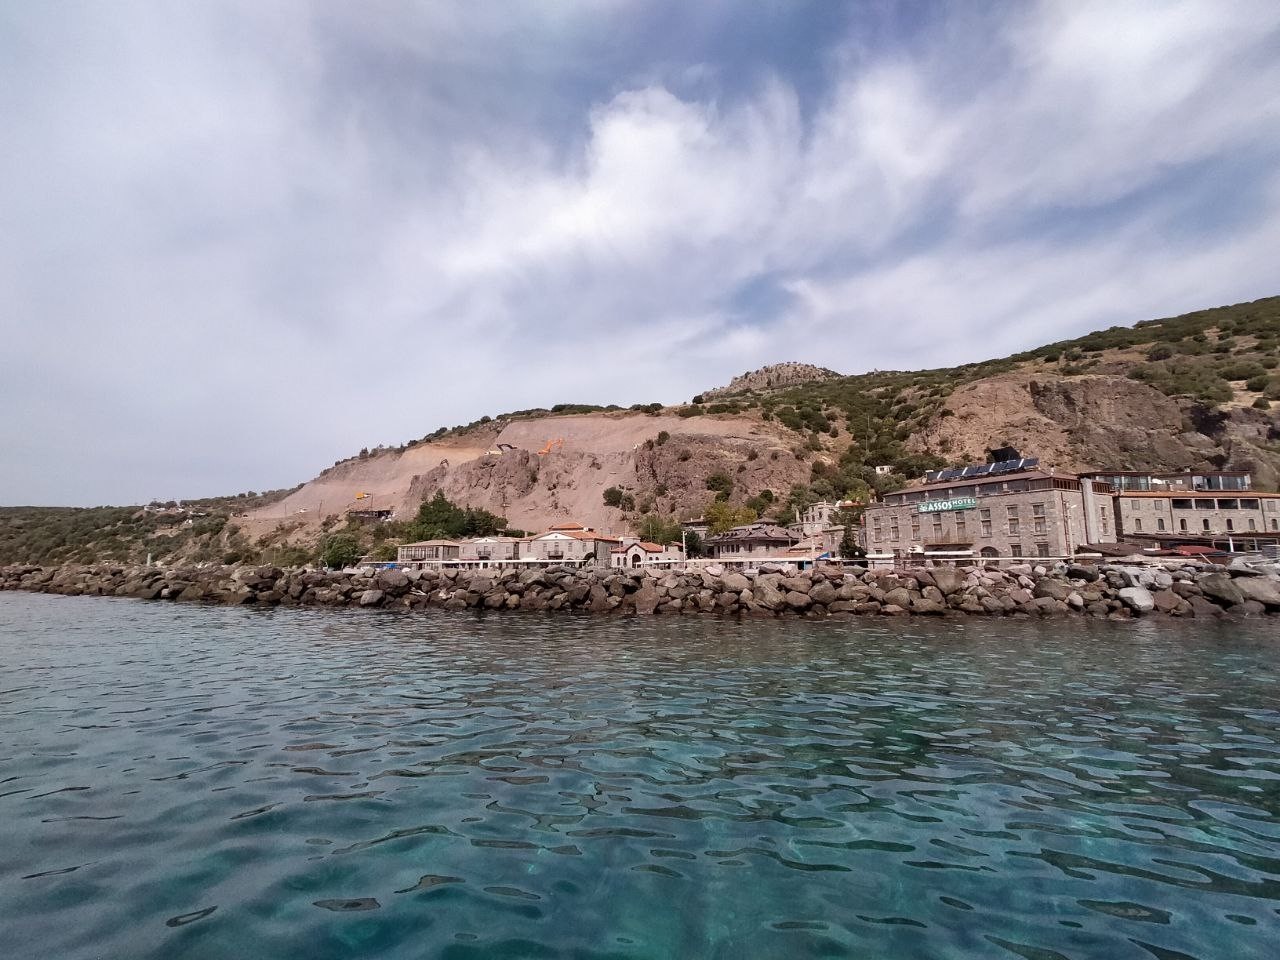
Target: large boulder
x=646 y=598
x=1055 y=589
x=1137 y=599
x=371 y=598
x=823 y=592
x=1220 y=587
x=1261 y=590
x=735 y=582
x=949 y=580
x=392 y=582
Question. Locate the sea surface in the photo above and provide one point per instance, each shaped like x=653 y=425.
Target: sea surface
x=190 y=782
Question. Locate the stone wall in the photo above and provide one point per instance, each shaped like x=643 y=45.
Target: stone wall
x=1107 y=591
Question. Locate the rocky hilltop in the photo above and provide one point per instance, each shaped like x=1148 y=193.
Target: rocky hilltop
x=776 y=376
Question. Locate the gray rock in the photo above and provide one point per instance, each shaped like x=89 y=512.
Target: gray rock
x=371 y=598
x=1220 y=587
x=1053 y=588
x=1137 y=599
x=1259 y=590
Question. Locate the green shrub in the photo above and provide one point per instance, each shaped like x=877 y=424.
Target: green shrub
x=613 y=497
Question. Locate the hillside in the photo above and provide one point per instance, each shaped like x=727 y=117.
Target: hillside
x=1198 y=390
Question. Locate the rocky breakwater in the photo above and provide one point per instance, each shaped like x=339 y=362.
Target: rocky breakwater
x=1113 y=591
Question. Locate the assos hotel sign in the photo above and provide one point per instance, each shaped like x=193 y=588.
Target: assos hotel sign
x=956 y=503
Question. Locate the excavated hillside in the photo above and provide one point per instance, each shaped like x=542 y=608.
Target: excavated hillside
x=661 y=461
x=1081 y=422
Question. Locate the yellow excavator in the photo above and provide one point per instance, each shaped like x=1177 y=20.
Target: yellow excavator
x=556 y=444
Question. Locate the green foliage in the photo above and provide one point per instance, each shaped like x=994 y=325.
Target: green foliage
x=438 y=519
x=340 y=550
x=1258 y=384
x=658 y=530
x=613 y=497
x=722 y=516
x=721 y=484
x=662 y=437
x=692 y=544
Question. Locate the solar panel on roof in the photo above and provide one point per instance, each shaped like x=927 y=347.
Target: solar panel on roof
x=1030 y=462
x=967 y=472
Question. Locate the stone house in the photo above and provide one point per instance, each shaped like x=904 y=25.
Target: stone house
x=492 y=548
x=751 y=541
x=570 y=543
x=640 y=552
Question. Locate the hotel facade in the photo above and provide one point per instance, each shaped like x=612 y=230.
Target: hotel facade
x=1029 y=514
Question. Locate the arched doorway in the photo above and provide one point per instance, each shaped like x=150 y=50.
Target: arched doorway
x=635 y=559
x=988 y=552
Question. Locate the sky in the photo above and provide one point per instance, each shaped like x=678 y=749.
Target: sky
x=241 y=240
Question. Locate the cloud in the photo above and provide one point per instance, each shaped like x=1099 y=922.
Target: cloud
x=247 y=240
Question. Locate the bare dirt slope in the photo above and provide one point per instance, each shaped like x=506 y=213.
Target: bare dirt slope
x=600 y=450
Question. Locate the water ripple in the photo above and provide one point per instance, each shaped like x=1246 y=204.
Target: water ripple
x=220 y=782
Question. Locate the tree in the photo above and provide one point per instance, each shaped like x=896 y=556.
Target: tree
x=655 y=529
x=722 y=516
x=438 y=518
x=693 y=544
x=340 y=550
x=613 y=497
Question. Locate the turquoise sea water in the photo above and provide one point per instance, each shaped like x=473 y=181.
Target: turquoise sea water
x=178 y=781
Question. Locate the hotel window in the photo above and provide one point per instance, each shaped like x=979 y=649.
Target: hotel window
x=1012 y=511
x=1015 y=550
x=915 y=528
x=1038 y=524
x=984 y=519
x=1013 y=526
x=937 y=526
x=1160 y=524
x=1252 y=525
x=1231 y=524
x=1275 y=524
x=1182 y=525
x=1037 y=509
x=1137 y=525
x=1206 y=525
x=1042 y=549
x=960 y=525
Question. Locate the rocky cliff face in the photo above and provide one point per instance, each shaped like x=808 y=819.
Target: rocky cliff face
x=1078 y=423
x=776 y=376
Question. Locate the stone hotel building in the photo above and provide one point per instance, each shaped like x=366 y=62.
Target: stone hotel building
x=995 y=510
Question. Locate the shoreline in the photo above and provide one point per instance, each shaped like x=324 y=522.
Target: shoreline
x=1105 y=591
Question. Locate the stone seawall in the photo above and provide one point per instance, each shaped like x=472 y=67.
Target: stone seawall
x=1113 y=591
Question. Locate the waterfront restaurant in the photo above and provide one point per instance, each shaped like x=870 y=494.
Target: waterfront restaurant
x=427 y=551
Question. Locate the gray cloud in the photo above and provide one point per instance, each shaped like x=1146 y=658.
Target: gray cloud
x=244 y=240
